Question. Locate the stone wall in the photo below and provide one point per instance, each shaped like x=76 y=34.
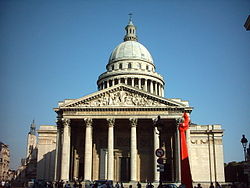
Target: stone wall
x=46 y=152
x=206 y=153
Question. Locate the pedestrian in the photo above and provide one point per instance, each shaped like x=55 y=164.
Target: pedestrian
x=150 y=185
x=122 y=185
x=75 y=184
x=199 y=185
x=138 y=185
x=117 y=185
x=211 y=185
x=67 y=185
x=217 y=185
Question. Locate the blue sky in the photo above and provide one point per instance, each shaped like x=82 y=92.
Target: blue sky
x=53 y=50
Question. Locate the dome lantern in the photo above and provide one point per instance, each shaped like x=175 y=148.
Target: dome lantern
x=131 y=30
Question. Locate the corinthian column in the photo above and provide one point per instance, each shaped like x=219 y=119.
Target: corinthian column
x=133 y=150
x=88 y=150
x=111 y=123
x=65 y=150
x=178 y=153
x=58 y=150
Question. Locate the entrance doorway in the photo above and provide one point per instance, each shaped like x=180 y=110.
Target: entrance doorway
x=125 y=169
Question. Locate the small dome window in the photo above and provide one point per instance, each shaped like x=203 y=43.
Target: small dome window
x=129 y=65
x=120 y=66
x=147 y=67
x=113 y=67
x=139 y=65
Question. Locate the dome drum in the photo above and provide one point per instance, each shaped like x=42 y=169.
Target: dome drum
x=130 y=64
x=147 y=85
x=110 y=75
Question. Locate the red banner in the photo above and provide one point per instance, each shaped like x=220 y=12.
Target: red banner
x=186 y=177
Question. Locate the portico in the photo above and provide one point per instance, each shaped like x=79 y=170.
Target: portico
x=111 y=135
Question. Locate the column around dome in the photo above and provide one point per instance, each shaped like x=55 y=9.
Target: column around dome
x=133 y=82
x=146 y=85
x=139 y=83
x=151 y=87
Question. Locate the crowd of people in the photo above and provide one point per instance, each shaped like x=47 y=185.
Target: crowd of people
x=108 y=184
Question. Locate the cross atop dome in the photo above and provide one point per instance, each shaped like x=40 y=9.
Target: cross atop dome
x=130 y=19
x=131 y=30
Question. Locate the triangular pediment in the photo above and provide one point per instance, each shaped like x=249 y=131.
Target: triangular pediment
x=121 y=96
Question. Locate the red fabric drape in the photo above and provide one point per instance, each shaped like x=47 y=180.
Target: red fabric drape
x=186 y=177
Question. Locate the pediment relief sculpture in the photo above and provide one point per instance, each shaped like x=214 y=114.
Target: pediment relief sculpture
x=119 y=98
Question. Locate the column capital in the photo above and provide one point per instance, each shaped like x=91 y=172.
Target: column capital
x=88 y=122
x=66 y=122
x=133 y=122
x=111 y=122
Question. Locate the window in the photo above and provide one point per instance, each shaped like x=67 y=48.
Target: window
x=120 y=66
x=139 y=65
x=129 y=65
x=113 y=67
x=147 y=67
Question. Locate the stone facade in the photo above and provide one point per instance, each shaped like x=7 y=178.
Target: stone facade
x=4 y=162
x=46 y=152
x=206 y=152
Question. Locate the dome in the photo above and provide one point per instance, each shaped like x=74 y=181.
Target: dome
x=131 y=64
x=130 y=50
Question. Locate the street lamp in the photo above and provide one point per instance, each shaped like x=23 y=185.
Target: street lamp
x=244 y=144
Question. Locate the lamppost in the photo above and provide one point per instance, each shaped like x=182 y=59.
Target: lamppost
x=244 y=144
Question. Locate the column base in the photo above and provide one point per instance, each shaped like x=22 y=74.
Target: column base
x=133 y=181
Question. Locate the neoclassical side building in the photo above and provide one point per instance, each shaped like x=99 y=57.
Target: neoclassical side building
x=111 y=134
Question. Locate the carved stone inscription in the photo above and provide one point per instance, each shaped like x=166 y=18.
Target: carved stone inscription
x=121 y=98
